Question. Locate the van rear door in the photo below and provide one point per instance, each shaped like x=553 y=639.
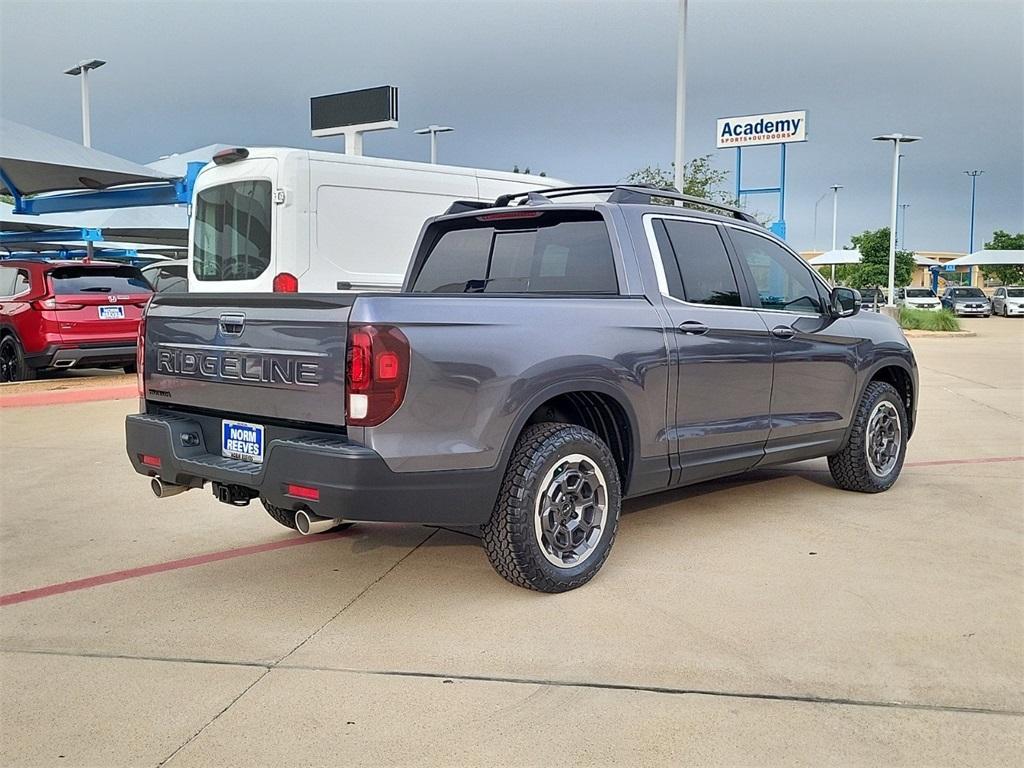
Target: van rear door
x=233 y=228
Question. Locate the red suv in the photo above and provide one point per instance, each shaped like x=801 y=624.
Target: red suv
x=61 y=314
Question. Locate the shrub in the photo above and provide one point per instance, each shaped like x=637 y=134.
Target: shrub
x=926 y=320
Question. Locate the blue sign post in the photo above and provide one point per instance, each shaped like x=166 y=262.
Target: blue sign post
x=752 y=130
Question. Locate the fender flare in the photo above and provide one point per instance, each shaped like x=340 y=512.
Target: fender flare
x=564 y=388
x=868 y=375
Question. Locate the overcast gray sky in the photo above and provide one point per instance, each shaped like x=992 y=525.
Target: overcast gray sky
x=583 y=90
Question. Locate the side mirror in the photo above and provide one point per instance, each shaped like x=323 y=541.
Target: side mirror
x=845 y=302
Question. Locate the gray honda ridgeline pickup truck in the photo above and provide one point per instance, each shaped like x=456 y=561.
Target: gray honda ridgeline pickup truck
x=546 y=359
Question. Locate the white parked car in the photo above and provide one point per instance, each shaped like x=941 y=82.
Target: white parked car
x=918 y=298
x=1008 y=301
x=287 y=220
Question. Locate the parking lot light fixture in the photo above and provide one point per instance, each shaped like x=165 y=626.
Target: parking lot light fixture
x=896 y=139
x=433 y=130
x=82 y=69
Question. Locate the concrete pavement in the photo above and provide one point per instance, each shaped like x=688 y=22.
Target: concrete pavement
x=769 y=619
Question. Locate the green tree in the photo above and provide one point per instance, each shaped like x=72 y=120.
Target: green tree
x=1007 y=274
x=874 y=266
x=699 y=179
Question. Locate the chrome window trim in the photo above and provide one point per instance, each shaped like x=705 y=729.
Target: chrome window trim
x=659 y=269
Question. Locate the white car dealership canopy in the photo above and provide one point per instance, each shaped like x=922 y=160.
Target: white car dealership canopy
x=988 y=258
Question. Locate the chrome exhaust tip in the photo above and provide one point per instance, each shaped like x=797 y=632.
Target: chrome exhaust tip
x=162 y=490
x=307 y=523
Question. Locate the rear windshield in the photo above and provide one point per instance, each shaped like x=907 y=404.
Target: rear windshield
x=232 y=234
x=563 y=253
x=919 y=293
x=84 y=279
x=968 y=293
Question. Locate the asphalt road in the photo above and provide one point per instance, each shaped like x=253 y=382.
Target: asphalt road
x=764 y=620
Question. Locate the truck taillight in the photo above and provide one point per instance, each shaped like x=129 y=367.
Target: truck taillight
x=286 y=282
x=376 y=374
x=140 y=357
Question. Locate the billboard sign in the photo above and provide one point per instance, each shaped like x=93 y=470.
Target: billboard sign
x=364 y=110
x=752 y=130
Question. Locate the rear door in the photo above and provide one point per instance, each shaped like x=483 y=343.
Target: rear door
x=815 y=355
x=97 y=304
x=722 y=355
x=250 y=357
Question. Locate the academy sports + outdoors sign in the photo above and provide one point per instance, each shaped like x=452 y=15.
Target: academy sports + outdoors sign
x=774 y=128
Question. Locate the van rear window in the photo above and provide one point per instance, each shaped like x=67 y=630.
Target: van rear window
x=71 y=280
x=232 y=231
x=562 y=253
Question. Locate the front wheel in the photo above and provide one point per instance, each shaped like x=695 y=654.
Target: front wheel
x=557 y=512
x=873 y=455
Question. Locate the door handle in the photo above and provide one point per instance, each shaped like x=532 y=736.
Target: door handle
x=783 y=332
x=693 y=328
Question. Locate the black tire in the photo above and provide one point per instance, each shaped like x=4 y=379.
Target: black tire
x=851 y=468
x=287 y=518
x=12 y=361
x=511 y=537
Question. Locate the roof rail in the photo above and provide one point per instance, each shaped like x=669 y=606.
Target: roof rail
x=638 y=194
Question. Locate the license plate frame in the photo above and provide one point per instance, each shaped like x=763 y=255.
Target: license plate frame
x=111 y=312
x=242 y=440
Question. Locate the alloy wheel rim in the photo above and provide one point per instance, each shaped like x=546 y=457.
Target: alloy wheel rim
x=884 y=438
x=7 y=362
x=571 y=511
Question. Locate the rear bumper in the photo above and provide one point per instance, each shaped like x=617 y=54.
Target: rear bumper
x=57 y=356
x=353 y=481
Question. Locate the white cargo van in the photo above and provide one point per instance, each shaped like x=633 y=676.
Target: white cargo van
x=280 y=219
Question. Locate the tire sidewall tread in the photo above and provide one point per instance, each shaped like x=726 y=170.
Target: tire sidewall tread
x=849 y=467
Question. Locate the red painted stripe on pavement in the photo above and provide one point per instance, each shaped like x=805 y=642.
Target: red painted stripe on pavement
x=64 y=396
x=172 y=565
x=940 y=462
x=213 y=557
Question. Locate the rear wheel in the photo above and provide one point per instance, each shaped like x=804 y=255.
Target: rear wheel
x=873 y=456
x=287 y=518
x=12 y=361
x=557 y=512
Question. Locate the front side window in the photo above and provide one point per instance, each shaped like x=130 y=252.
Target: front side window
x=696 y=263
x=549 y=253
x=782 y=281
x=232 y=231
x=7 y=276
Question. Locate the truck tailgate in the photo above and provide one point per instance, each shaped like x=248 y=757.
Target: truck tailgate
x=275 y=356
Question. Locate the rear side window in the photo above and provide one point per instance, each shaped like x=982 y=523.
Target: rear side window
x=566 y=253
x=13 y=281
x=232 y=231
x=696 y=263
x=71 y=280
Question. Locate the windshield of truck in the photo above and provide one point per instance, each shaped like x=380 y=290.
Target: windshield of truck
x=85 y=279
x=232 y=231
x=919 y=293
x=968 y=293
x=528 y=252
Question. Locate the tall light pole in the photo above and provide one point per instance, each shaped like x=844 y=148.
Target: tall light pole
x=974 y=184
x=680 y=97
x=816 y=204
x=82 y=68
x=835 y=222
x=896 y=139
x=903 y=226
x=433 y=130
